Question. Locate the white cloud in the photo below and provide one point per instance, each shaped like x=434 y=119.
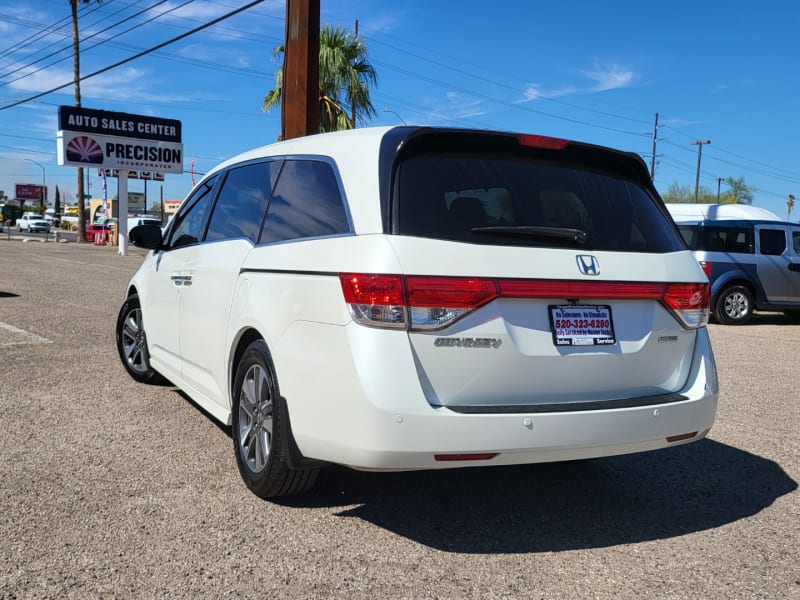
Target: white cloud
x=455 y=106
x=123 y=83
x=603 y=77
x=609 y=77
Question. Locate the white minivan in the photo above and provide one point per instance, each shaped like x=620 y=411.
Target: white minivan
x=425 y=298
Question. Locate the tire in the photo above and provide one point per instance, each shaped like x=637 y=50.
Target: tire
x=734 y=305
x=261 y=430
x=132 y=343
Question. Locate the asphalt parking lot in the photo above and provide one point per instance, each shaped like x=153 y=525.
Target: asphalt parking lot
x=109 y=488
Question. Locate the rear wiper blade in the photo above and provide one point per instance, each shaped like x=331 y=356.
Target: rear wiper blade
x=562 y=233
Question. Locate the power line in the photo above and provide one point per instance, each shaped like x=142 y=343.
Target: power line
x=135 y=56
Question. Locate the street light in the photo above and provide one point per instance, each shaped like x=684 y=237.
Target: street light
x=387 y=110
x=41 y=195
x=699 y=144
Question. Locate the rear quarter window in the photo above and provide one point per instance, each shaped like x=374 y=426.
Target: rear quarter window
x=307 y=202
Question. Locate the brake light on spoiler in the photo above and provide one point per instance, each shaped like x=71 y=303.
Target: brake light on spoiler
x=421 y=302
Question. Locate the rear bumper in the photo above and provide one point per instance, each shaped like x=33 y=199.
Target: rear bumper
x=374 y=416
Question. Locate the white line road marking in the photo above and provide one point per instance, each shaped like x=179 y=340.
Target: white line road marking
x=29 y=338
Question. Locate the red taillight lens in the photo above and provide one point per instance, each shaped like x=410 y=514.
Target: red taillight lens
x=553 y=288
x=471 y=456
x=453 y=292
x=425 y=302
x=375 y=300
x=689 y=302
x=372 y=289
x=542 y=141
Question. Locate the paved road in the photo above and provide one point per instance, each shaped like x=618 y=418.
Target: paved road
x=114 y=489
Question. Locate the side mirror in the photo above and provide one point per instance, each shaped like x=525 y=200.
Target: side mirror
x=146 y=236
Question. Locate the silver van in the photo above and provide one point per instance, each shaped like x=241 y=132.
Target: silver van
x=751 y=264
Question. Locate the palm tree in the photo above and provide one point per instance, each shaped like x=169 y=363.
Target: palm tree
x=345 y=77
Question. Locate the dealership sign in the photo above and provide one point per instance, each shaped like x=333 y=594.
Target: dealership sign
x=99 y=138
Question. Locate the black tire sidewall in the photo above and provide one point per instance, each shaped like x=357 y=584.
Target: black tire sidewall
x=719 y=311
x=151 y=375
x=255 y=353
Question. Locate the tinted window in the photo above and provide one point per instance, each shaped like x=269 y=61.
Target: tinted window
x=527 y=203
x=772 y=241
x=719 y=238
x=306 y=203
x=242 y=201
x=796 y=241
x=190 y=222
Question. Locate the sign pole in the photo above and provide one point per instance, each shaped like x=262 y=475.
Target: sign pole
x=122 y=211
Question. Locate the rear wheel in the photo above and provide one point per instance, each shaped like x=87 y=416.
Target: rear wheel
x=734 y=305
x=261 y=429
x=132 y=342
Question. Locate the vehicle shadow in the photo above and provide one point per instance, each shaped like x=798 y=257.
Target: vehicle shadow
x=559 y=506
x=769 y=318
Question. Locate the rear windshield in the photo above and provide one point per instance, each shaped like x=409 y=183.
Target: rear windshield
x=516 y=201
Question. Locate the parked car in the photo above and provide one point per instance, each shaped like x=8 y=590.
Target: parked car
x=97 y=229
x=424 y=298
x=33 y=222
x=751 y=264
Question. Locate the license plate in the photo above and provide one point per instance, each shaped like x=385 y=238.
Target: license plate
x=582 y=325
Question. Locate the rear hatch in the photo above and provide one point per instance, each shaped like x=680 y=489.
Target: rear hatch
x=538 y=275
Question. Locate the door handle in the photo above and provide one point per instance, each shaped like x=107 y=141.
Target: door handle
x=794 y=266
x=181 y=280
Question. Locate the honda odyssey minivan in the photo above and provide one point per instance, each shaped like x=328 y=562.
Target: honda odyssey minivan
x=425 y=298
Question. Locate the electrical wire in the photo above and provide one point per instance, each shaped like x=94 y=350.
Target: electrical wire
x=135 y=56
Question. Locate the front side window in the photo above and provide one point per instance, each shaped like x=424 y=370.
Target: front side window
x=190 y=223
x=306 y=203
x=796 y=241
x=512 y=201
x=772 y=241
x=242 y=201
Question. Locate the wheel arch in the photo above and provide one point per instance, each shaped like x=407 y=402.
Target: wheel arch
x=294 y=456
x=735 y=278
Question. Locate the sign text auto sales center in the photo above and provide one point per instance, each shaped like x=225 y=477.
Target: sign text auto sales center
x=99 y=138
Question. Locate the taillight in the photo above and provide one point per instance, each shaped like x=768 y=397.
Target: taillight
x=429 y=302
x=706 y=266
x=689 y=302
x=376 y=300
x=542 y=141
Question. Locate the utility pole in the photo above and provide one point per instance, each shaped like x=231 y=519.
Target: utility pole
x=719 y=182
x=653 y=158
x=699 y=144
x=300 y=97
x=353 y=104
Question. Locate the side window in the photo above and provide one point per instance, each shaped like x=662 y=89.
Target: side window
x=242 y=201
x=190 y=222
x=796 y=241
x=773 y=241
x=306 y=203
x=729 y=239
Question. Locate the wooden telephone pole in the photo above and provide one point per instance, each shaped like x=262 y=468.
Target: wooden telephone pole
x=300 y=94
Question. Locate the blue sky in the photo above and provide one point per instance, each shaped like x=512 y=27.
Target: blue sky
x=584 y=70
